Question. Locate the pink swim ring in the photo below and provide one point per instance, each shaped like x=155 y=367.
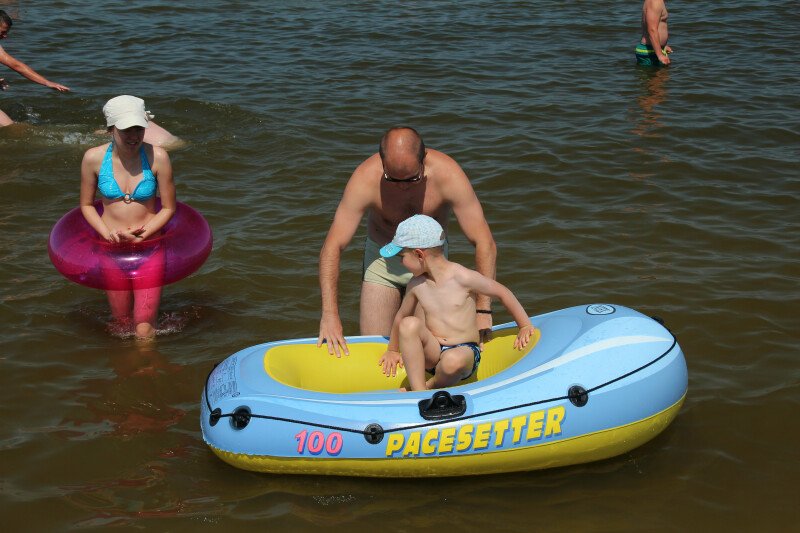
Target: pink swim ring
x=80 y=255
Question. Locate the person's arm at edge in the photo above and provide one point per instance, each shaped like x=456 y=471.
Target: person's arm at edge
x=26 y=71
x=348 y=216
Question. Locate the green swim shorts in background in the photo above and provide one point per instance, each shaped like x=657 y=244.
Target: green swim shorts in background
x=646 y=55
x=389 y=272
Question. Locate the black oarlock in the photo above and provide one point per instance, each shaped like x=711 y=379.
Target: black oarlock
x=240 y=418
x=578 y=396
x=373 y=433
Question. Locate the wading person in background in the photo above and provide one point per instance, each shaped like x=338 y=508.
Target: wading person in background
x=402 y=179
x=652 y=49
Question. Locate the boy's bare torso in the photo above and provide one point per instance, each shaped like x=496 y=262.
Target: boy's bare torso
x=448 y=305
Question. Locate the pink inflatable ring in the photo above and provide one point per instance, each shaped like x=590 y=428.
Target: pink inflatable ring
x=78 y=252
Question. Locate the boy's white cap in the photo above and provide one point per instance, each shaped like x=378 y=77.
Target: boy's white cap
x=125 y=111
x=419 y=231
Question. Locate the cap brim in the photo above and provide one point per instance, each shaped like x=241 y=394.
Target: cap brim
x=125 y=123
x=391 y=250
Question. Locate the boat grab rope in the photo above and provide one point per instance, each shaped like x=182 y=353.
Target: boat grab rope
x=374 y=432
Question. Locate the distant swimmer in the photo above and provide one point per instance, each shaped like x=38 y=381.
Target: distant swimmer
x=652 y=49
x=17 y=65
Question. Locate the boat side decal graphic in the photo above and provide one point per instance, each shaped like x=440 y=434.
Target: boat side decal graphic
x=316 y=441
x=492 y=435
x=222 y=381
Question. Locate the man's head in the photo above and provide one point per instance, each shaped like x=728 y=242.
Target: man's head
x=125 y=112
x=5 y=24
x=402 y=154
x=419 y=231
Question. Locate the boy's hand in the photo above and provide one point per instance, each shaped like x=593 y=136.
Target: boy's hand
x=390 y=361
x=523 y=336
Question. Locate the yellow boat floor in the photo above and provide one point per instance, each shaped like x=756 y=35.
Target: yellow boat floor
x=307 y=367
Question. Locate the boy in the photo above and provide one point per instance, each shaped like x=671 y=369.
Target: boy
x=446 y=341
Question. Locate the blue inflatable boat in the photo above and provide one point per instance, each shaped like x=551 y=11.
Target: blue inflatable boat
x=594 y=382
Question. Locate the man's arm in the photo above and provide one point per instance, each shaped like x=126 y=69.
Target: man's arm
x=351 y=209
x=23 y=69
x=653 y=11
x=467 y=208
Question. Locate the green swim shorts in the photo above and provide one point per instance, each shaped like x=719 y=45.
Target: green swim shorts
x=389 y=272
x=646 y=55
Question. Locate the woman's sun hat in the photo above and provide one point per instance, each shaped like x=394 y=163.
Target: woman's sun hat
x=126 y=111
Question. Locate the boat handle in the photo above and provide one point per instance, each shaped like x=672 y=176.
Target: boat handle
x=441 y=405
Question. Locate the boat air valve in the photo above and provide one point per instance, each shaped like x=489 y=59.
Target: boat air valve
x=214 y=417
x=240 y=418
x=578 y=396
x=373 y=433
x=441 y=405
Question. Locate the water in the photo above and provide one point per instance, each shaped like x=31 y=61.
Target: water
x=674 y=192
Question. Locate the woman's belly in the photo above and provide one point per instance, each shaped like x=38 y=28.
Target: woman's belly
x=118 y=215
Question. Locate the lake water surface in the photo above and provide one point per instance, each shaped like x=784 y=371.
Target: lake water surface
x=672 y=191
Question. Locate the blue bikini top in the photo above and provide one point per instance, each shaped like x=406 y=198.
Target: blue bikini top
x=109 y=187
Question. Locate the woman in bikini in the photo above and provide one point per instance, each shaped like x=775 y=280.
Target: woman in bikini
x=127 y=172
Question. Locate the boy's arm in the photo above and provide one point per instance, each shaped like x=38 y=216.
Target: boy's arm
x=510 y=302
x=474 y=281
x=391 y=358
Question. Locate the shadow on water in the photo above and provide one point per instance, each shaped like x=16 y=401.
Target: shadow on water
x=126 y=404
x=653 y=93
x=131 y=410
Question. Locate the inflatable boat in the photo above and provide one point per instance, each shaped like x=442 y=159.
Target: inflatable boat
x=594 y=382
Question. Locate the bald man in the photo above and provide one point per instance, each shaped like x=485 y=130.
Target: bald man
x=402 y=179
